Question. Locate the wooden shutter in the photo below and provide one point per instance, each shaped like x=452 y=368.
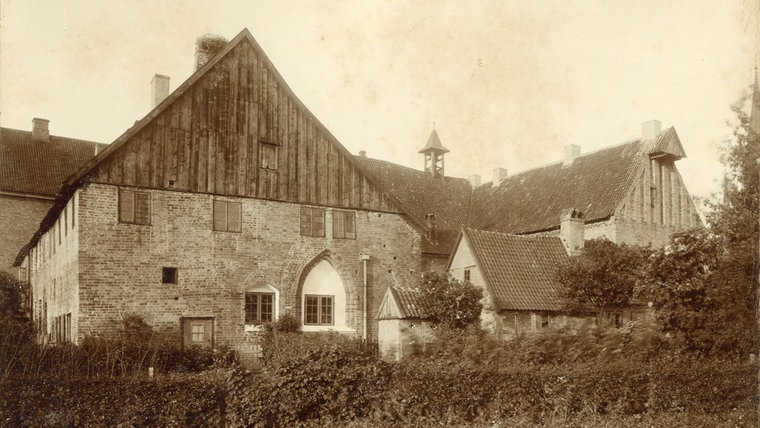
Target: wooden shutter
x=318 y=222
x=142 y=207
x=234 y=216
x=338 y=224
x=126 y=206
x=220 y=215
x=306 y=221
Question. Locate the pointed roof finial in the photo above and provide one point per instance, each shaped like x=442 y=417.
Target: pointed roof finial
x=434 y=144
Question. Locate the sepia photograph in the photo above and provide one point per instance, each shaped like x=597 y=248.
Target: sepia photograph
x=378 y=213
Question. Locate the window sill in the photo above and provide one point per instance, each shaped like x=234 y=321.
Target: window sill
x=339 y=328
x=249 y=328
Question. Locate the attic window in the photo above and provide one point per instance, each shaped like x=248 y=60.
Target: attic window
x=344 y=224
x=467 y=274
x=267 y=155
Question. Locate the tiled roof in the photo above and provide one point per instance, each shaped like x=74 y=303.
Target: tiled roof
x=408 y=301
x=419 y=193
x=594 y=183
x=39 y=167
x=519 y=270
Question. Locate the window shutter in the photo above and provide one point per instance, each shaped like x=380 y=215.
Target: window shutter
x=126 y=206
x=220 y=215
x=305 y=221
x=142 y=208
x=337 y=221
x=318 y=222
x=234 y=216
x=349 y=224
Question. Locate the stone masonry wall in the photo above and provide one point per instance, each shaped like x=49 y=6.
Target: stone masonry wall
x=121 y=264
x=19 y=219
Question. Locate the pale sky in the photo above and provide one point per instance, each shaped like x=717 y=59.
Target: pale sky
x=507 y=83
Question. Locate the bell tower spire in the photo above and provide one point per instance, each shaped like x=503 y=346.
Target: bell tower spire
x=434 y=152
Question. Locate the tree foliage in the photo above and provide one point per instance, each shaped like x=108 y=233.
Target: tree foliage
x=604 y=275
x=449 y=302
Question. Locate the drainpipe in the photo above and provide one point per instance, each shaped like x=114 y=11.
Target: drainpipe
x=365 y=258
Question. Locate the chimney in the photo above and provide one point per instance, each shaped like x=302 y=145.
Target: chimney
x=206 y=46
x=363 y=153
x=571 y=230
x=159 y=89
x=499 y=174
x=650 y=130
x=40 y=130
x=572 y=151
x=474 y=180
x=432 y=232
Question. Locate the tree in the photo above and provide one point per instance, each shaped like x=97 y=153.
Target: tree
x=448 y=302
x=705 y=282
x=604 y=275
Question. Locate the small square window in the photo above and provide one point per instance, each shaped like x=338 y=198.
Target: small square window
x=169 y=275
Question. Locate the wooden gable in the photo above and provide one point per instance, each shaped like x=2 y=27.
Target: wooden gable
x=388 y=308
x=235 y=128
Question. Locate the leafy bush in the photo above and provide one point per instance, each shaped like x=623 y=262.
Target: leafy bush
x=450 y=303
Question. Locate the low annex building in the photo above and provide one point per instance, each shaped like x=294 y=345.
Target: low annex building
x=229 y=204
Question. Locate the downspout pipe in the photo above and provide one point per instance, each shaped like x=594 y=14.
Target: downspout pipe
x=365 y=259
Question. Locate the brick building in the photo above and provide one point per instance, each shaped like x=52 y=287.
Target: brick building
x=33 y=166
x=229 y=204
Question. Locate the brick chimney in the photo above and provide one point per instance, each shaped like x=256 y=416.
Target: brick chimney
x=363 y=153
x=571 y=230
x=499 y=174
x=159 y=89
x=572 y=152
x=651 y=129
x=474 y=180
x=40 y=131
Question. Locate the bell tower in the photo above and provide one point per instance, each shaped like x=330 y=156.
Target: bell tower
x=434 y=152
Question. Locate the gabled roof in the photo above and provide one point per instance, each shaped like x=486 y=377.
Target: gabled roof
x=418 y=193
x=434 y=144
x=400 y=303
x=594 y=183
x=32 y=167
x=519 y=270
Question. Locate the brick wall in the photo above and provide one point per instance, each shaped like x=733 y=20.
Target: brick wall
x=53 y=268
x=19 y=219
x=120 y=264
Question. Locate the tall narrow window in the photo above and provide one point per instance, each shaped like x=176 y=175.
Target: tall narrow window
x=344 y=224
x=467 y=274
x=267 y=155
x=228 y=216
x=134 y=207
x=319 y=310
x=259 y=308
x=312 y=221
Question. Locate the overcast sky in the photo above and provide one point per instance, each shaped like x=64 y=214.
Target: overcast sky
x=507 y=83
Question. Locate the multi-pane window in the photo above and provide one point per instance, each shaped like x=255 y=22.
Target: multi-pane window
x=228 y=216
x=197 y=332
x=467 y=274
x=344 y=224
x=267 y=155
x=134 y=207
x=312 y=221
x=259 y=308
x=318 y=310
